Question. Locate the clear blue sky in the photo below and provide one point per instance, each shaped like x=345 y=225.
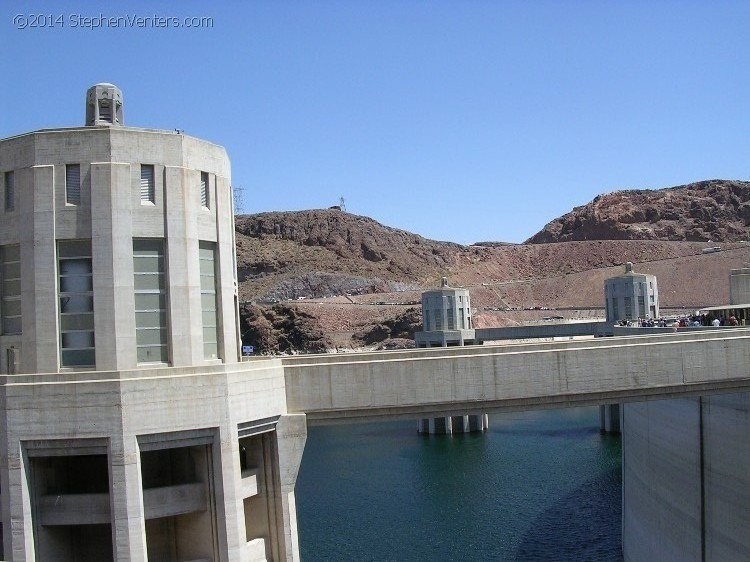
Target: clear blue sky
x=463 y=121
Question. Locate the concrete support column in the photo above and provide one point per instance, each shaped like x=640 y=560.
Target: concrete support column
x=35 y=189
x=609 y=418
x=112 y=260
x=229 y=501
x=226 y=282
x=479 y=422
x=291 y=434
x=441 y=426
x=126 y=497
x=453 y=424
x=18 y=527
x=181 y=205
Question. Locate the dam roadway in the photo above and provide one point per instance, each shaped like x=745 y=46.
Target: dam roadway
x=462 y=380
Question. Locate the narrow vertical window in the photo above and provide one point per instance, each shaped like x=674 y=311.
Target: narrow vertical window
x=207 y=255
x=150 y=301
x=204 y=190
x=426 y=320
x=76 y=292
x=10 y=304
x=451 y=317
x=438 y=319
x=73 y=184
x=628 y=308
x=148 y=188
x=10 y=197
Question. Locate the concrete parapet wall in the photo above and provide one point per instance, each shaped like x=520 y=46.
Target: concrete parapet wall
x=443 y=338
x=174 y=500
x=655 y=330
x=562 y=330
x=462 y=380
x=74 y=509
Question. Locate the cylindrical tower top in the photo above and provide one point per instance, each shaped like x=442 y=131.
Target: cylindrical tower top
x=104 y=105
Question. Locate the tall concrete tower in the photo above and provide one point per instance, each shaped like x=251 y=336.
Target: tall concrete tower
x=125 y=433
x=447 y=321
x=631 y=295
x=446 y=317
x=124 y=242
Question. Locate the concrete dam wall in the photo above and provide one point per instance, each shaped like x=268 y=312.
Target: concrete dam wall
x=686 y=479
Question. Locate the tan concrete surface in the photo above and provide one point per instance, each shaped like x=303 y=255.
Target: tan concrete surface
x=686 y=479
x=459 y=381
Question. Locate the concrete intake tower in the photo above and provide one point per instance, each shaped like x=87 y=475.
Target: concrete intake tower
x=125 y=433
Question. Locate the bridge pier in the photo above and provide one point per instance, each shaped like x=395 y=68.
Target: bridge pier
x=610 y=418
x=448 y=425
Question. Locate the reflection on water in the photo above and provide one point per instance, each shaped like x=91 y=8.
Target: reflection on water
x=537 y=486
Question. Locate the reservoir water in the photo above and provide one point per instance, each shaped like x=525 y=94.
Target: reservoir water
x=537 y=486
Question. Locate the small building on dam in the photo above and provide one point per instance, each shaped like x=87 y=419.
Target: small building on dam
x=630 y=296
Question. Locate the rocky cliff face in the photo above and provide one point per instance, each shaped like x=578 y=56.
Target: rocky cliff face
x=286 y=255
x=347 y=236
x=715 y=210
x=281 y=328
x=401 y=327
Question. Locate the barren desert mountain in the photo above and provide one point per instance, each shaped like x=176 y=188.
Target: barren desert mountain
x=327 y=279
x=714 y=210
x=285 y=255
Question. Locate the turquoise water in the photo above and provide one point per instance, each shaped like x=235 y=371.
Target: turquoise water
x=541 y=486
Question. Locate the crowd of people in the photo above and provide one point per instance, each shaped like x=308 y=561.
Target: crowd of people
x=683 y=321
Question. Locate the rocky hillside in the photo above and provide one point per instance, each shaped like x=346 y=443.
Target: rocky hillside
x=325 y=253
x=326 y=279
x=715 y=210
x=282 y=328
x=287 y=255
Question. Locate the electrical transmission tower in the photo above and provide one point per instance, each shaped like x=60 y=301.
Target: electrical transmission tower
x=238 y=194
